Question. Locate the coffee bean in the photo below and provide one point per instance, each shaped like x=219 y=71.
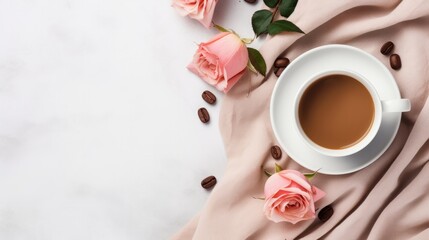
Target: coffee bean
x=278 y=71
x=250 y=1
x=208 y=182
x=395 y=61
x=326 y=213
x=387 y=48
x=209 y=97
x=281 y=62
x=204 y=115
x=276 y=152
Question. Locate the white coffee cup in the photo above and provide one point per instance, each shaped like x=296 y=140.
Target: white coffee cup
x=381 y=106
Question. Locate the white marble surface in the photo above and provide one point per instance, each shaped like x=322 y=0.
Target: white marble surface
x=99 y=137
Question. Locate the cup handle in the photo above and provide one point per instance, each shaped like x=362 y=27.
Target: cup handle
x=396 y=105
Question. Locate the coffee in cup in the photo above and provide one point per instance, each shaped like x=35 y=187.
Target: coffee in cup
x=339 y=112
x=336 y=111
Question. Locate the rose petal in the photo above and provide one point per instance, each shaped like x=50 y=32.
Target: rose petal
x=225 y=47
x=201 y=10
x=290 y=197
x=225 y=86
x=297 y=191
x=296 y=177
x=236 y=63
x=207 y=16
x=274 y=183
x=221 y=61
x=318 y=194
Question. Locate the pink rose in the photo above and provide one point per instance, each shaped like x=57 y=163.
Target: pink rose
x=201 y=10
x=289 y=197
x=221 y=61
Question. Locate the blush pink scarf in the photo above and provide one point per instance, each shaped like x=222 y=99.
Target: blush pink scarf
x=387 y=200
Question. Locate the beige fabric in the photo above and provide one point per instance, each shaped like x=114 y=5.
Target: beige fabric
x=387 y=200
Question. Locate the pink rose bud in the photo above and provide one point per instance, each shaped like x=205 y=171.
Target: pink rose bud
x=221 y=61
x=201 y=10
x=289 y=197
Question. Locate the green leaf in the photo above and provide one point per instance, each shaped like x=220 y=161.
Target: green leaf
x=260 y=21
x=267 y=173
x=282 y=26
x=252 y=68
x=257 y=60
x=271 y=3
x=287 y=7
x=278 y=168
x=310 y=176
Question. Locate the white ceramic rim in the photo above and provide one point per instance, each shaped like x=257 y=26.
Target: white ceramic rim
x=375 y=126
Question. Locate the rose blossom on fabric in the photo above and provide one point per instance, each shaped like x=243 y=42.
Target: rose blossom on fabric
x=201 y=10
x=221 y=61
x=289 y=197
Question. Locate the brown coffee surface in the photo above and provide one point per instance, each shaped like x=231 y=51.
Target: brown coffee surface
x=336 y=111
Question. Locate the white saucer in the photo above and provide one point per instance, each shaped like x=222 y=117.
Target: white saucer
x=321 y=59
